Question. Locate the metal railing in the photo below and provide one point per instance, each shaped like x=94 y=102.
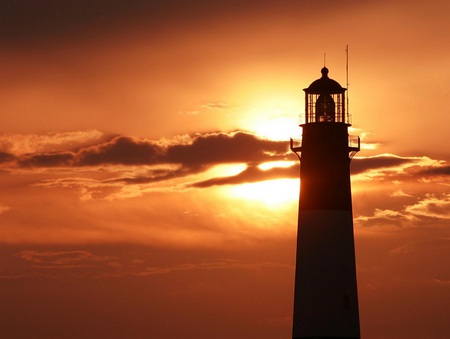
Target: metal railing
x=296 y=144
x=354 y=144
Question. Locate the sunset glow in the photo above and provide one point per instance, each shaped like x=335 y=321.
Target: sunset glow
x=277 y=129
x=271 y=193
x=147 y=185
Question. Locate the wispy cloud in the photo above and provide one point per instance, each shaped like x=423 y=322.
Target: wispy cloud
x=421 y=246
x=388 y=218
x=431 y=210
x=62 y=259
x=400 y=193
x=217 y=105
x=251 y=174
x=391 y=162
x=432 y=206
x=437 y=171
x=19 y=144
x=65 y=262
x=222 y=264
x=3 y=208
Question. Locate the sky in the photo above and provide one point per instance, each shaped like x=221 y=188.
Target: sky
x=147 y=186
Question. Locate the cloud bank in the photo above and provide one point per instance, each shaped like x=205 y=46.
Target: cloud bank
x=131 y=160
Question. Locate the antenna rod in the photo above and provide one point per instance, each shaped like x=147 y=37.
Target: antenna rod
x=346 y=73
x=324 y=59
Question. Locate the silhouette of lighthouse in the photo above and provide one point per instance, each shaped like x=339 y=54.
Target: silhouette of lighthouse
x=326 y=299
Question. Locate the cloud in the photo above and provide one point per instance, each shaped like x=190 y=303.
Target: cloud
x=400 y=193
x=217 y=105
x=4 y=208
x=432 y=206
x=422 y=246
x=134 y=161
x=139 y=162
x=430 y=211
x=251 y=174
x=443 y=170
x=220 y=264
x=201 y=150
x=119 y=264
x=194 y=151
x=441 y=282
x=20 y=144
x=6 y=158
x=362 y=164
x=396 y=168
x=218 y=148
x=47 y=159
x=387 y=217
x=103 y=168
x=379 y=161
x=62 y=259
x=121 y=150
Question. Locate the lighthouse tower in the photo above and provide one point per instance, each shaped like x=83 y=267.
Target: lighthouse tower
x=326 y=299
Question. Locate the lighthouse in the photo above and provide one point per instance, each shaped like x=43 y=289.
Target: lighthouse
x=325 y=298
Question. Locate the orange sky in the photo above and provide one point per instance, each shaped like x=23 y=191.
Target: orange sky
x=147 y=185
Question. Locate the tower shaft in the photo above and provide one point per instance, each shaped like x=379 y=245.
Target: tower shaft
x=326 y=301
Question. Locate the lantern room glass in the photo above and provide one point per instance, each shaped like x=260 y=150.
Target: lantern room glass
x=324 y=107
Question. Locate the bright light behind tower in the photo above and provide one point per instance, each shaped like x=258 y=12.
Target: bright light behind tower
x=271 y=193
x=275 y=118
x=278 y=129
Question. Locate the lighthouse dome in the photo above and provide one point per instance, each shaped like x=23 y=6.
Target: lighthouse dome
x=324 y=85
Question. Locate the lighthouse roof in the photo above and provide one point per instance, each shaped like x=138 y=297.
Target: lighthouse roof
x=324 y=85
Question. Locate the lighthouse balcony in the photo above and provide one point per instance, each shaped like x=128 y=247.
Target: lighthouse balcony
x=296 y=144
x=354 y=144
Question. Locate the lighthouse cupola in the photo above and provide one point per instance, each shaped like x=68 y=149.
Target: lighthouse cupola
x=325 y=101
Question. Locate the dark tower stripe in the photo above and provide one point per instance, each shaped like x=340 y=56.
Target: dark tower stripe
x=325 y=168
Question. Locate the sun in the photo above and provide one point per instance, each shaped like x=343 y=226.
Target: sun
x=277 y=128
x=271 y=193
x=275 y=117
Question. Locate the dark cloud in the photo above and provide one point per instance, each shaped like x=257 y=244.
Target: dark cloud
x=155 y=176
x=168 y=161
x=226 y=148
x=205 y=150
x=47 y=159
x=360 y=165
x=121 y=150
x=6 y=157
x=445 y=170
x=251 y=174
